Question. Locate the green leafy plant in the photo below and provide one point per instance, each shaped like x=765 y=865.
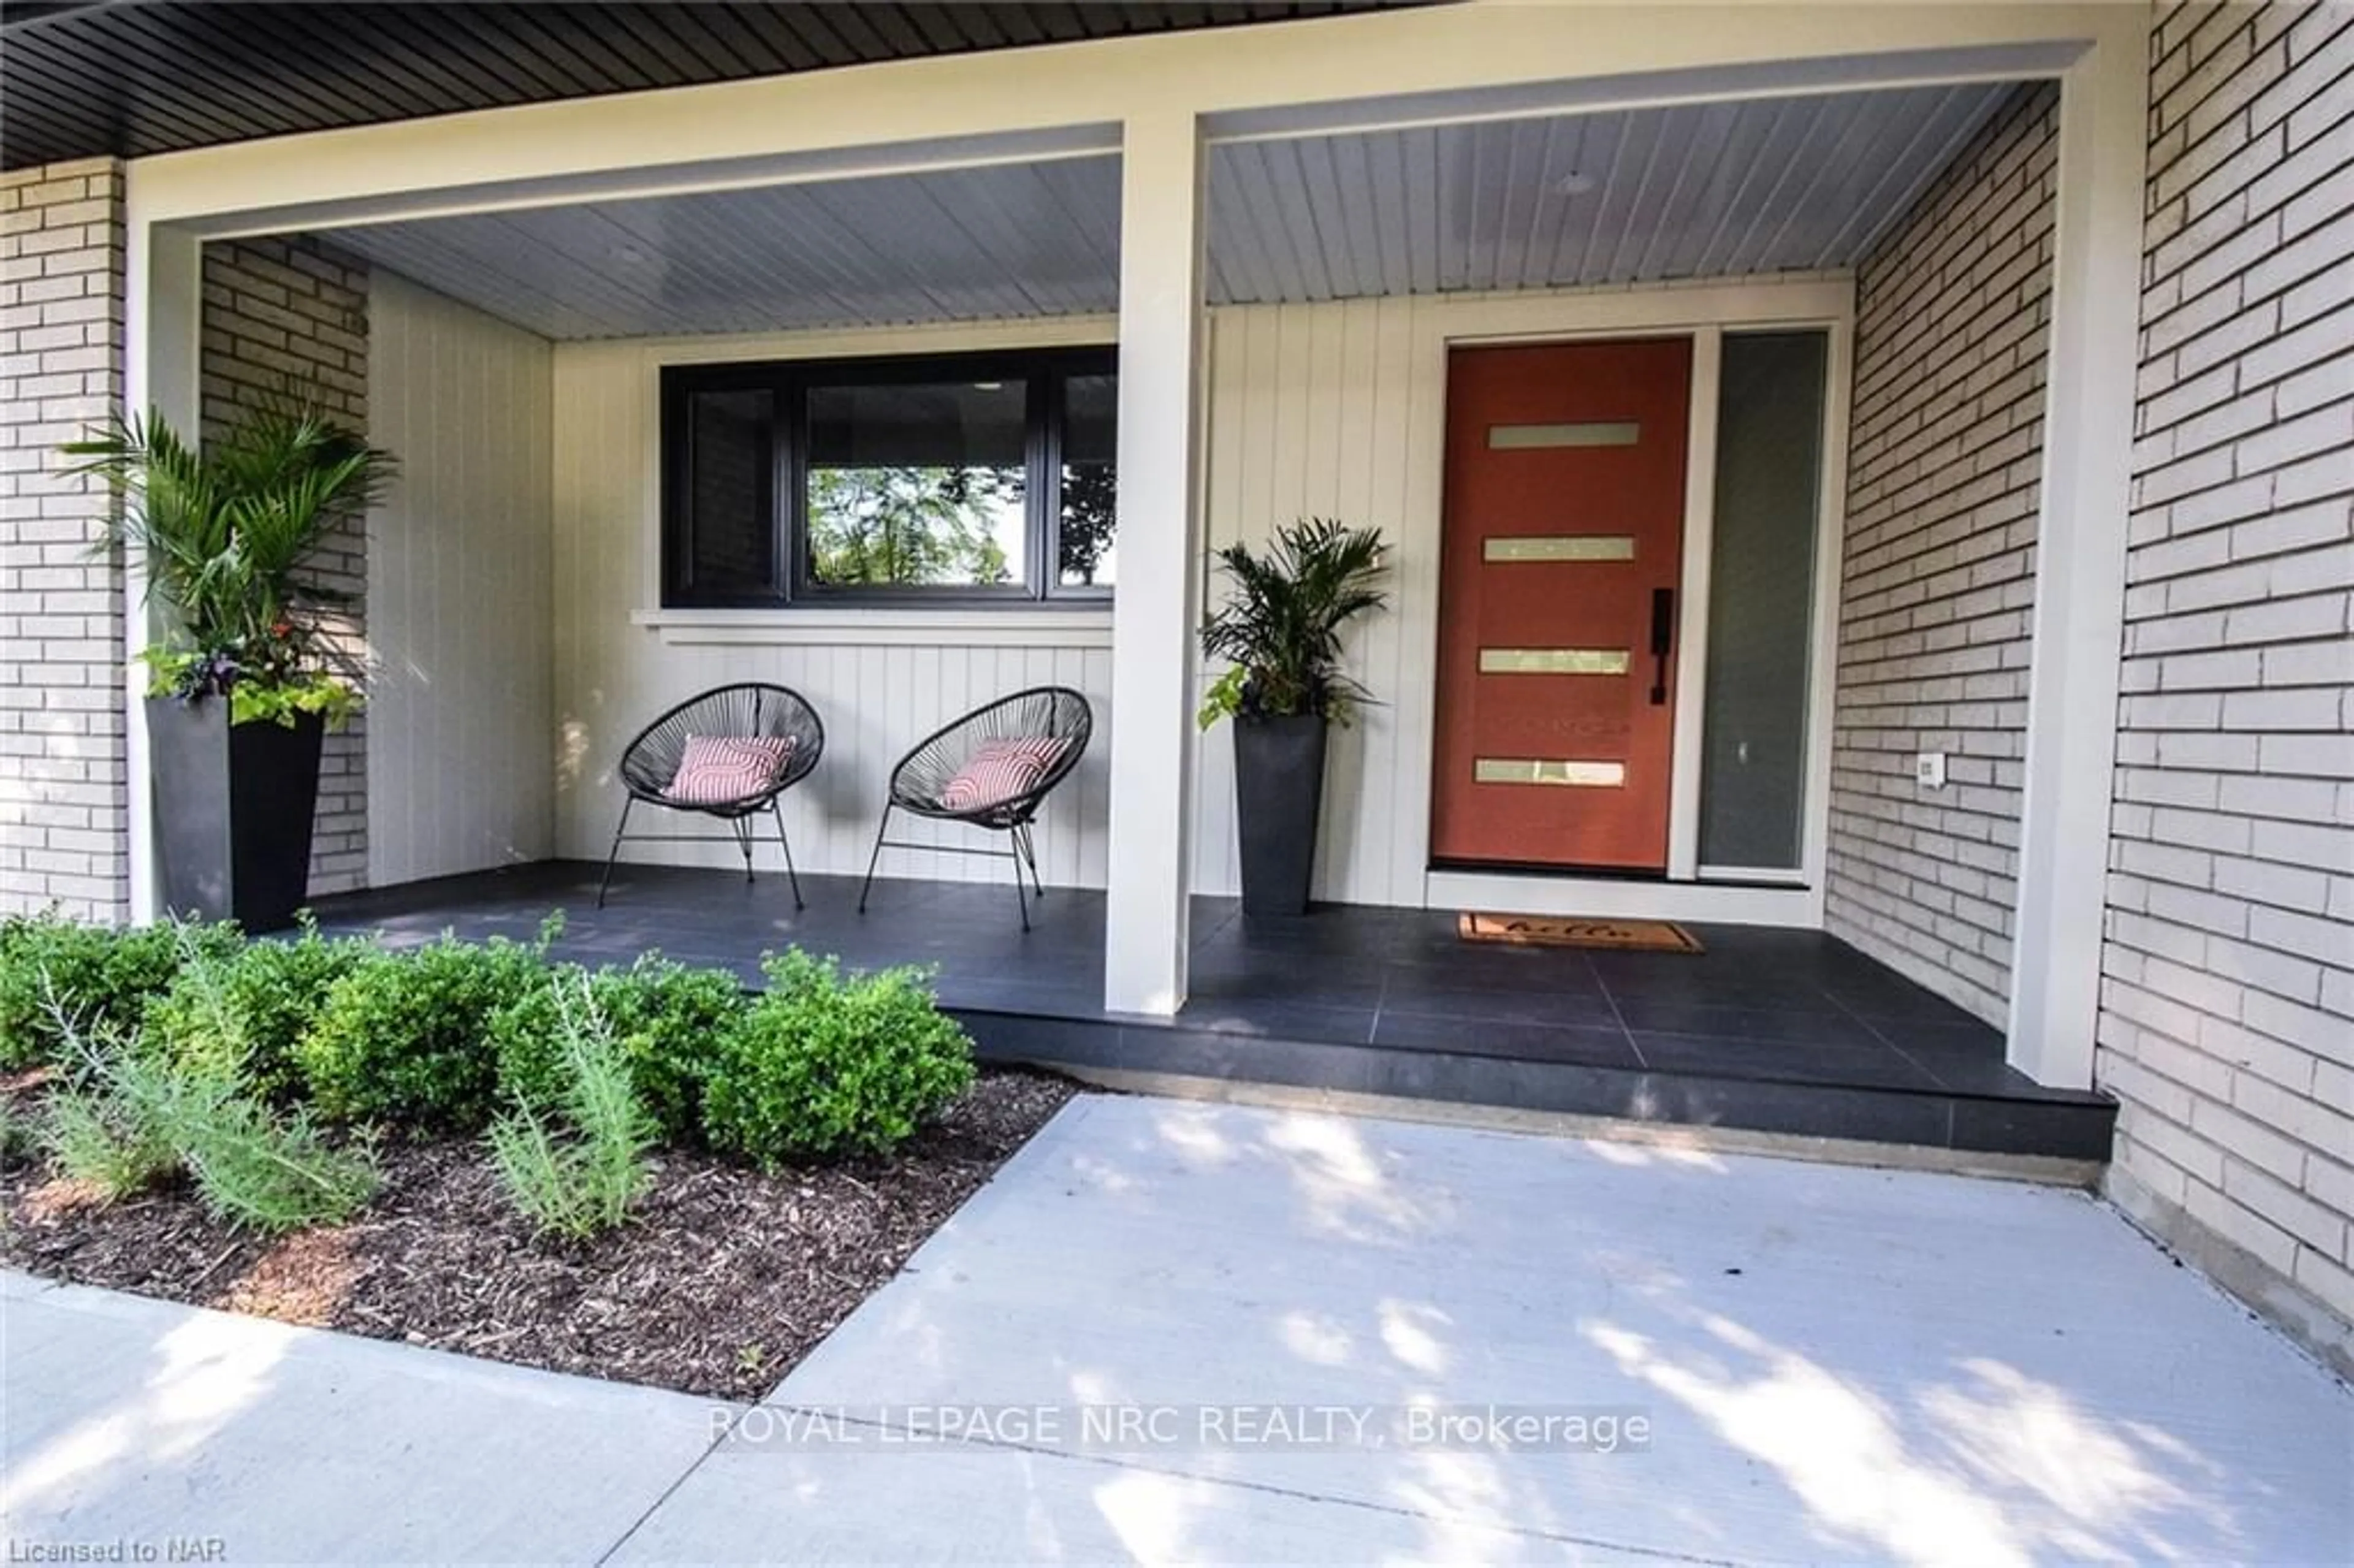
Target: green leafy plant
x=404 y=1037
x=1280 y=627
x=574 y=1162
x=819 y=1064
x=132 y=1116
x=109 y=1139
x=109 y=1120
x=664 y=1017
x=182 y=673
x=252 y=1167
x=249 y=1007
x=100 y=978
x=229 y=531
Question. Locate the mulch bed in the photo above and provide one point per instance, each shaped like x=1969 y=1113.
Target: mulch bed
x=725 y=1279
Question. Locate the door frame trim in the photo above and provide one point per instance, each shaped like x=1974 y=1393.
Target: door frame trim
x=1703 y=313
x=1691 y=606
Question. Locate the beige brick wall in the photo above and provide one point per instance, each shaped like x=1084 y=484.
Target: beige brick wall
x=2227 y=1020
x=287 y=320
x=1939 y=577
x=64 y=789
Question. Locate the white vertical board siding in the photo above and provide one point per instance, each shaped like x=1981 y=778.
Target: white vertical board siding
x=1314 y=412
x=460 y=716
x=876 y=698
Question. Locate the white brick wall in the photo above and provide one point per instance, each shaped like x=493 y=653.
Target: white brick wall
x=1939 y=579
x=287 y=320
x=64 y=793
x=2227 y=1020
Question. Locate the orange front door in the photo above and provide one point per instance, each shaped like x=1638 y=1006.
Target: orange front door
x=1556 y=656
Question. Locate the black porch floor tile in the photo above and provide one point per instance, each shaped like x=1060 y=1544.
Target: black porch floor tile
x=1967 y=1038
x=2030 y=1127
x=1671 y=977
x=1047 y=998
x=1573 y=1088
x=1445 y=951
x=1257 y=973
x=1584 y=1009
x=1678 y=1015
x=1279 y=1020
x=1899 y=1000
x=1980 y=1070
x=1784 y=1061
x=1974 y=1074
x=1533 y=970
x=1490 y=1037
x=1322 y=933
x=1812 y=1110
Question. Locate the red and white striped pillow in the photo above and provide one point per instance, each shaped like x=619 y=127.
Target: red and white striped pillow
x=1002 y=771
x=720 y=769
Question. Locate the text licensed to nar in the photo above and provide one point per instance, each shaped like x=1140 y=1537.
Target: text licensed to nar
x=1140 y=1428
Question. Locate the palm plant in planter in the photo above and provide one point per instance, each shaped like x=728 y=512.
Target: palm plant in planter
x=1280 y=631
x=242 y=686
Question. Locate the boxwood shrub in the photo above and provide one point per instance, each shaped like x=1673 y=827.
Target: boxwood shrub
x=404 y=1037
x=819 y=1064
x=105 y=977
x=665 y=1019
x=248 y=1010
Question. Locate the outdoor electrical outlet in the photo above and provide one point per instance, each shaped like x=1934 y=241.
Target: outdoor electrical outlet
x=1929 y=769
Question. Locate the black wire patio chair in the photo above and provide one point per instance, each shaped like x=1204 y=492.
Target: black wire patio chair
x=991 y=770
x=750 y=712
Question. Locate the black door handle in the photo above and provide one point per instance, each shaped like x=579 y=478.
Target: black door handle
x=1663 y=642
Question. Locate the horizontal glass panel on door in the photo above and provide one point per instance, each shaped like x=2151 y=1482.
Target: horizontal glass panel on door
x=1558 y=547
x=1769 y=460
x=1587 y=433
x=918 y=485
x=1552 y=661
x=1541 y=770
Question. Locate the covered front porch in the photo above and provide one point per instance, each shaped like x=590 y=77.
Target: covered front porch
x=1880 y=681
x=1769 y=1029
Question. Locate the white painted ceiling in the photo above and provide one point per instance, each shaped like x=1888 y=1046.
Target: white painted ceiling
x=1634 y=195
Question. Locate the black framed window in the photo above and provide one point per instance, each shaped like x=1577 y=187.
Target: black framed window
x=966 y=479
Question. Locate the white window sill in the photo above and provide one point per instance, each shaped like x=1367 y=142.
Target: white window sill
x=881 y=627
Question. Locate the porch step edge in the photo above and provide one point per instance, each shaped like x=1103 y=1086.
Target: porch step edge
x=1963 y=1124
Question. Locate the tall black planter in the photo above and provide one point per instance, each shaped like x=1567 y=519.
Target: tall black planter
x=1279 y=793
x=233 y=810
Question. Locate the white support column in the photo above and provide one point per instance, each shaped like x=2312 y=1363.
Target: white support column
x=2071 y=704
x=163 y=313
x=1691 y=605
x=1161 y=225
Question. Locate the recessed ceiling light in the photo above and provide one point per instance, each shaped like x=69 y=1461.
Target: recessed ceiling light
x=1572 y=184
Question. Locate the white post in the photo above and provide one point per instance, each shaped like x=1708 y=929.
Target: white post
x=163 y=318
x=1156 y=604
x=1691 y=606
x=2080 y=545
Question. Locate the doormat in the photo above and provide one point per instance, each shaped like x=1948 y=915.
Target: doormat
x=1577 y=931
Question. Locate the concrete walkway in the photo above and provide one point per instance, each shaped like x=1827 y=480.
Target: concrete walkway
x=1172 y=1332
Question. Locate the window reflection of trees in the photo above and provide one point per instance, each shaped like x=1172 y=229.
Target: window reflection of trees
x=1088 y=490
x=912 y=526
